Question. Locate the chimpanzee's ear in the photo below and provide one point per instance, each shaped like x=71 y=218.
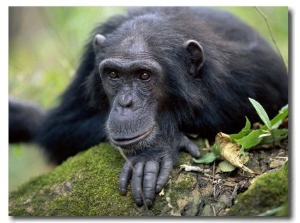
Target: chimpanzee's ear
x=197 y=56
x=97 y=42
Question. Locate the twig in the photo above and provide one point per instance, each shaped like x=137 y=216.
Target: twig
x=125 y=157
x=213 y=209
x=234 y=192
x=214 y=170
x=271 y=33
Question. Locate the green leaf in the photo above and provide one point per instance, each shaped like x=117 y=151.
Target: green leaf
x=245 y=131
x=250 y=140
x=225 y=166
x=265 y=135
x=207 y=158
x=276 y=136
x=248 y=125
x=261 y=112
x=271 y=212
x=216 y=149
x=277 y=120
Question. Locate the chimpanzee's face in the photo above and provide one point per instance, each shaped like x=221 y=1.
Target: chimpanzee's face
x=131 y=78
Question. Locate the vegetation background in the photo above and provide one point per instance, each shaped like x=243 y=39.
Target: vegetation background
x=45 y=46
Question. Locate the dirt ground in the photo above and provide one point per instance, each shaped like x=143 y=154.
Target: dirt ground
x=219 y=190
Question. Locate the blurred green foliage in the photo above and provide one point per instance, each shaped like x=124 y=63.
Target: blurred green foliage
x=45 y=45
x=44 y=56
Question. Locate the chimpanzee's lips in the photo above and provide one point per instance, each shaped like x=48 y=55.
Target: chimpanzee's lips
x=128 y=141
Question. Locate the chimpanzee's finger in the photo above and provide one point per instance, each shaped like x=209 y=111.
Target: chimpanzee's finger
x=166 y=167
x=190 y=147
x=125 y=176
x=149 y=182
x=136 y=183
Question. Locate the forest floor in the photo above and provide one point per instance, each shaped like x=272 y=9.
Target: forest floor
x=219 y=190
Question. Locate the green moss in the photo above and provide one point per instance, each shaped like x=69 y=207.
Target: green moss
x=269 y=191
x=184 y=181
x=77 y=187
x=87 y=185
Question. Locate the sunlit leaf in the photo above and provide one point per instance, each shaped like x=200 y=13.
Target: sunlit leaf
x=245 y=131
x=252 y=139
x=277 y=120
x=261 y=112
x=265 y=135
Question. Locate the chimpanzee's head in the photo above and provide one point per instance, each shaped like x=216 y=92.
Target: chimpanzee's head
x=136 y=64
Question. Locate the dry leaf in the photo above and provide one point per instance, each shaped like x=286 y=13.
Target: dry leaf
x=231 y=152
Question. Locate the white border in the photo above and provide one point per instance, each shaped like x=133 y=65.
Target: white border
x=294 y=120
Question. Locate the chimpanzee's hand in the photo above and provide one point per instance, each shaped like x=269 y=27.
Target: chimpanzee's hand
x=151 y=170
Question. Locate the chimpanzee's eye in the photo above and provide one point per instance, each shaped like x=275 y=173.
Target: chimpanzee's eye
x=113 y=74
x=145 y=75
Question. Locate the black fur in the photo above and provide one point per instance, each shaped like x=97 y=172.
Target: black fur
x=238 y=64
x=24 y=120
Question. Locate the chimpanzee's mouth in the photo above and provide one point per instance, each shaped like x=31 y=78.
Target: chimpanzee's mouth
x=130 y=140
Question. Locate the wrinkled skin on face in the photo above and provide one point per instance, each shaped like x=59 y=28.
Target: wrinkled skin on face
x=129 y=87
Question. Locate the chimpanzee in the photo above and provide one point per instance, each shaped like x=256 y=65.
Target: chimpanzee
x=150 y=78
